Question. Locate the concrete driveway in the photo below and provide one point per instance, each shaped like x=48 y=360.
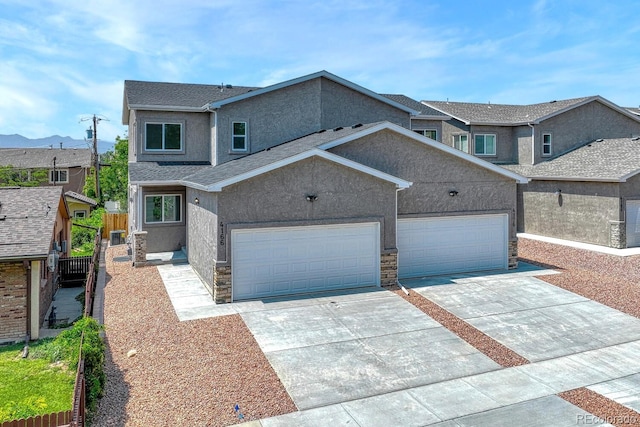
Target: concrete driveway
x=370 y=358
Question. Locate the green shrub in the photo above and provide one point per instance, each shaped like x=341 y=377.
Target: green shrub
x=81 y=235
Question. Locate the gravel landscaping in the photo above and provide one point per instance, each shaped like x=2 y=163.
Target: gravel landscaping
x=182 y=373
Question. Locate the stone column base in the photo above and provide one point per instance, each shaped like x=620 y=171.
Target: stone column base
x=617 y=234
x=222 y=284
x=513 y=254
x=139 y=250
x=389 y=268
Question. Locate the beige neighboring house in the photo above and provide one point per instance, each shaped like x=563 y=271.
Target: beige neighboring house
x=68 y=167
x=80 y=206
x=34 y=231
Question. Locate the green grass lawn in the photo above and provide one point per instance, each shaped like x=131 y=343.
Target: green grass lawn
x=33 y=386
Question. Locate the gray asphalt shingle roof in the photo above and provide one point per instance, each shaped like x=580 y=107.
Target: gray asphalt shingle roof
x=27 y=219
x=162 y=171
x=141 y=93
x=43 y=157
x=476 y=113
x=81 y=197
x=424 y=110
x=601 y=160
x=212 y=175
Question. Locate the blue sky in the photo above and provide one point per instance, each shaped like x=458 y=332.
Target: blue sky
x=63 y=60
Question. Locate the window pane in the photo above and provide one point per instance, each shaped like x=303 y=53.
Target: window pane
x=172 y=136
x=239 y=143
x=464 y=143
x=153 y=208
x=171 y=208
x=430 y=134
x=154 y=136
x=479 y=144
x=239 y=128
x=490 y=143
x=63 y=176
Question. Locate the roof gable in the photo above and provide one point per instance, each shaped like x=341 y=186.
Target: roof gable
x=516 y=115
x=319 y=74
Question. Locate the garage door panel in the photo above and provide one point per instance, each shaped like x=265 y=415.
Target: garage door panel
x=440 y=245
x=289 y=260
x=633 y=223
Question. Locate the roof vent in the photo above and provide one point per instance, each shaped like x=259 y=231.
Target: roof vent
x=229 y=86
x=359 y=125
x=551 y=102
x=636 y=138
x=322 y=130
x=599 y=140
x=338 y=128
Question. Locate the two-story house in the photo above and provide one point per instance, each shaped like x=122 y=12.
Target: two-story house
x=311 y=184
x=581 y=157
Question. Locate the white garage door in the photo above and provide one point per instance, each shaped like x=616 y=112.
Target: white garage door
x=633 y=223
x=292 y=260
x=453 y=244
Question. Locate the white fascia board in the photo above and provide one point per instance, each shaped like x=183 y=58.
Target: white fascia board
x=574 y=178
x=430 y=142
x=428 y=117
x=624 y=178
x=325 y=74
x=219 y=186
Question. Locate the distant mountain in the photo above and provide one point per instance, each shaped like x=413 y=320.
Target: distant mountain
x=19 y=141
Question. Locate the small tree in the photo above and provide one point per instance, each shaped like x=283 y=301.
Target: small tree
x=114 y=176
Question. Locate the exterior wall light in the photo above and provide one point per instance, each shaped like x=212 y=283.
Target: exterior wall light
x=558 y=192
x=311 y=198
x=196 y=201
x=453 y=193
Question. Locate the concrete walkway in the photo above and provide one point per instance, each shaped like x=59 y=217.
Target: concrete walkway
x=67 y=309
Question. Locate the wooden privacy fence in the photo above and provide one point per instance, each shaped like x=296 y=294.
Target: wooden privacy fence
x=114 y=221
x=49 y=420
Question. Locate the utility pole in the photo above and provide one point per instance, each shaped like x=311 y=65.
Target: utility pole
x=96 y=158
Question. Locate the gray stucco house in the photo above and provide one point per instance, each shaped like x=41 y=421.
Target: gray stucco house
x=581 y=157
x=311 y=184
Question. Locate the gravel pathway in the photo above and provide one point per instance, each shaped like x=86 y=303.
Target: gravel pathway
x=183 y=373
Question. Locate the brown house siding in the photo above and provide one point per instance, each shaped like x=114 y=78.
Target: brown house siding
x=13 y=301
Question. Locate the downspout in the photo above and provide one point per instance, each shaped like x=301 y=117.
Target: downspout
x=214 y=135
x=27 y=267
x=533 y=144
x=397 y=253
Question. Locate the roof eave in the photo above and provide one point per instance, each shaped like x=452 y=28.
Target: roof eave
x=575 y=178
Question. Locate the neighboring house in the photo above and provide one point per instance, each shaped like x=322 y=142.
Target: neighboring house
x=584 y=147
x=67 y=167
x=311 y=184
x=34 y=229
x=80 y=206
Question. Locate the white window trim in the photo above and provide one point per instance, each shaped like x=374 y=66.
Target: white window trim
x=164 y=150
x=144 y=208
x=57 y=172
x=453 y=141
x=550 y=144
x=246 y=136
x=83 y=211
x=495 y=142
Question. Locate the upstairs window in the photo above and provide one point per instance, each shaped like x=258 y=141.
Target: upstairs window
x=163 y=137
x=429 y=133
x=461 y=142
x=59 y=176
x=485 y=144
x=239 y=136
x=546 y=144
x=161 y=208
